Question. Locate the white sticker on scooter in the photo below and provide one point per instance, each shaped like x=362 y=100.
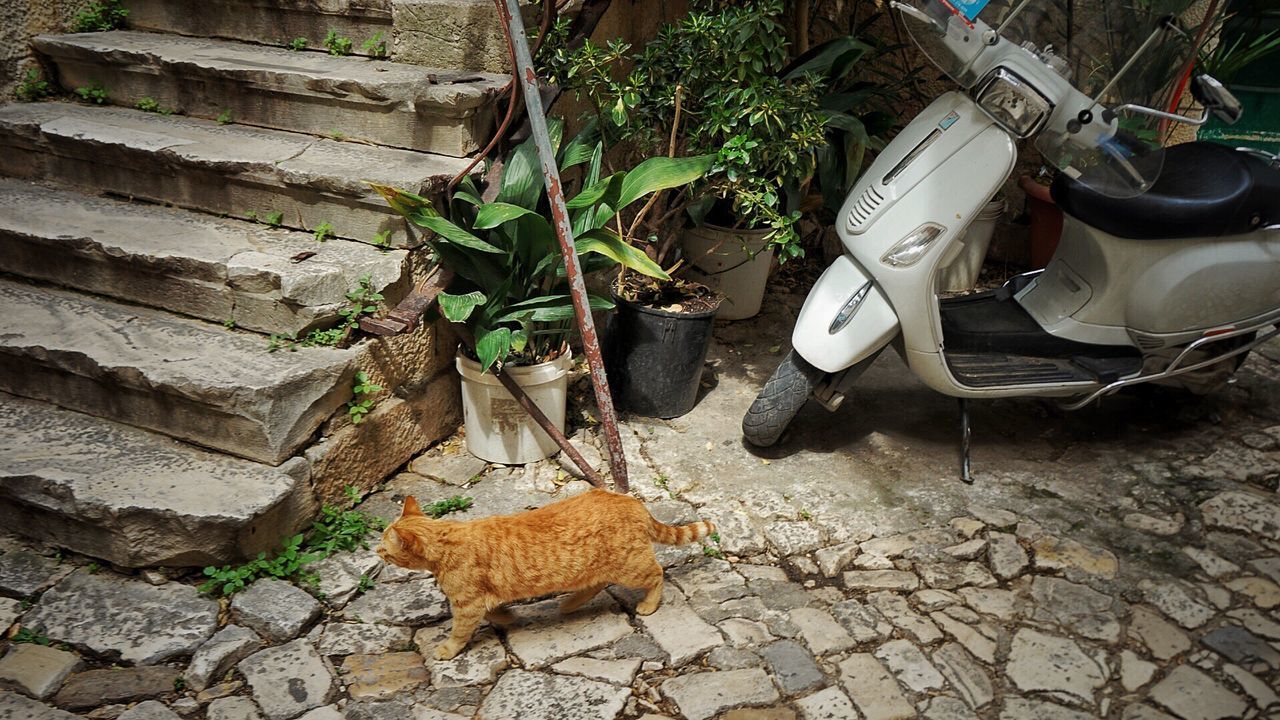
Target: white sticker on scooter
x=949 y=120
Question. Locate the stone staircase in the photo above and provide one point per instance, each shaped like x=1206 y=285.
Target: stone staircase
x=147 y=257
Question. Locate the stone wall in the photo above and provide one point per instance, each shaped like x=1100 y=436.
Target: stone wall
x=20 y=20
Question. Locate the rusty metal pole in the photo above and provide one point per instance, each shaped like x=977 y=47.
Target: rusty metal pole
x=564 y=232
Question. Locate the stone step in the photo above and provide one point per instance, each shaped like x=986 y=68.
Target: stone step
x=227 y=271
x=230 y=169
x=409 y=106
x=194 y=381
x=463 y=34
x=273 y=22
x=136 y=498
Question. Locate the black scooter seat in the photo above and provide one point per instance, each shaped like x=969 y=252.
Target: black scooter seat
x=1203 y=190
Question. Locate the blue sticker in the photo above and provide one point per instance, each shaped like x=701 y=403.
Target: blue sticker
x=969 y=8
x=949 y=120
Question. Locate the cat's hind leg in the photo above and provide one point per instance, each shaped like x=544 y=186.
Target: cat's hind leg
x=500 y=615
x=466 y=618
x=580 y=598
x=651 y=580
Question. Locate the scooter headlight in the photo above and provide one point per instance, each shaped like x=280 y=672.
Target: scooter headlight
x=911 y=248
x=1013 y=102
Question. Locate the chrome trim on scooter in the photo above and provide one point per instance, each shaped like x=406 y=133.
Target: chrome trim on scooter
x=911 y=156
x=1173 y=368
x=849 y=309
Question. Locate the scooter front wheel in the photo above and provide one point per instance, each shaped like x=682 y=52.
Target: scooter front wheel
x=786 y=391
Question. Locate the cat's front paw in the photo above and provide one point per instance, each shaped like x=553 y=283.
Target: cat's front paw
x=647 y=608
x=448 y=650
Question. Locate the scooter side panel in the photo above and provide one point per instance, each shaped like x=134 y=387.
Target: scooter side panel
x=871 y=327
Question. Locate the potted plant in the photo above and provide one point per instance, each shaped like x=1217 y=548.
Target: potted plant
x=712 y=83
x=509 y=285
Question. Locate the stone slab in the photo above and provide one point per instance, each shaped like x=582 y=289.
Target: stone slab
x=233 y=169
x=1041 y=662
x=149 y=710
x=276 y=609
x=362 y=639
x=20 y=707
x=397 y=104
x=288 y=680
x=36 y=670
x=541 y=636
x=450 y=33
x=543 y=696
x=383 y=676
x=873 y=690
x=413 y=602
x=106 y=686
x=193 y=381
x=702 y=695
x=793 y=667
x=25 y=572
x=679 y=630
x=268 y=23
x=113 y=616
x=211 y=268
x=1192 y=695
x=136 y=498
x=219 y=653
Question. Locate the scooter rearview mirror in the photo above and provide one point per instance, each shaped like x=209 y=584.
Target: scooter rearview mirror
x=1216 y=98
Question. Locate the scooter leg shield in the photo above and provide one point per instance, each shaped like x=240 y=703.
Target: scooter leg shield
x=845 y=318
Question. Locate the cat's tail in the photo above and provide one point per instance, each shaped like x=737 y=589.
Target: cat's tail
x=679 y=534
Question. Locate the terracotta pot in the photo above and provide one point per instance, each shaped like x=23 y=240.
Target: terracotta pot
x=1046 y=221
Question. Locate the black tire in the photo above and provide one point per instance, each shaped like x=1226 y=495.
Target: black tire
x=783 y=395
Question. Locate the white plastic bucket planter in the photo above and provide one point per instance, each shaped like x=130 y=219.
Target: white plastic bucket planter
x=962 y=273
x=734 y=262
x=498 y=429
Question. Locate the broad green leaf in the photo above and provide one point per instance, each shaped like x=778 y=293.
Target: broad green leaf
x=661 y=173
x=552 y=308
x=493 y=214
x=593 y=193
x=522 y=175
x=457 y=308
x=581 y=147
x=403 y=202
x=519 y=340
x=454 y=234
x=606 y=243
x=492 y=346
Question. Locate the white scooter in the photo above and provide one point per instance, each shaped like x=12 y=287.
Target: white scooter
x=1168 y=270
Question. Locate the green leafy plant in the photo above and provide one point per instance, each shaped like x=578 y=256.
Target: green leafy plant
x=100 y=17
x=224 y=117
x=1225 y=54
x=364 y=585
x=27 y=635
x=149 y=104
x=298 y=43
x=92 y=93
x=375 y=46
x=364 y=301
x=337 y=135
x=440 y=508
x=359 y=405
x=382 y=238
x=335 y=529
x=179 y=684
x=336 y=44
x=509 y=286
x=274 y=219
x=93 y=568
x=711 y=83
x=33 y=87
x=323 y=231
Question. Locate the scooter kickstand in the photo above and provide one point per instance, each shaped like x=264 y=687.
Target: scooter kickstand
x=965 y=477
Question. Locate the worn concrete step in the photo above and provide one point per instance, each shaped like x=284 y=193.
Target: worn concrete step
x=136 y=498
x=409 y=106
x=463 y=34
x=230 y=169
x=227 y=271
x=194 y=381
x=274 y=22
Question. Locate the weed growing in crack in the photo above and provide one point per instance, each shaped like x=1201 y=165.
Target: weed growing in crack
x=336 y=44
x=439 y=509
x=323 y=231
x=298 y=43
x=336 y=529
x=364 y=301
x=274 y=219
x=382 y=238
x=359 y=405
x=92 y=93
x=27 y=635
x=375 y=46
x=33 y=87
x=100 y=17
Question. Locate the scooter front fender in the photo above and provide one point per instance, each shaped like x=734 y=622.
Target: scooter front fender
x=845 y=318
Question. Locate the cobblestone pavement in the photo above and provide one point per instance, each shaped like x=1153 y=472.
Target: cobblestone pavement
x=1121 y=562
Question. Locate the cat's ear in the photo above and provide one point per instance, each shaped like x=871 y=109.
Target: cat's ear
x=407 y=539
x=411 y=508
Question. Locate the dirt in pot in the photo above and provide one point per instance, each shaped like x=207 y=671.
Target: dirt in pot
x=676 y=295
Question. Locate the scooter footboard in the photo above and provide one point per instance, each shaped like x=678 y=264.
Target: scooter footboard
x=845 y=318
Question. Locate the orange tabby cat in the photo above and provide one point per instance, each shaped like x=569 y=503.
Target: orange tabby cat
x=580 y=544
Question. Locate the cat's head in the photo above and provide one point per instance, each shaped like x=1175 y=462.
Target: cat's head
x=402 y=542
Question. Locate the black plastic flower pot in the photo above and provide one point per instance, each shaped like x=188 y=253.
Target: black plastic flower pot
x=654 y=358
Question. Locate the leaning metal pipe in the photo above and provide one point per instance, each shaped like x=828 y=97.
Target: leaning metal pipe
x=514 y=26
